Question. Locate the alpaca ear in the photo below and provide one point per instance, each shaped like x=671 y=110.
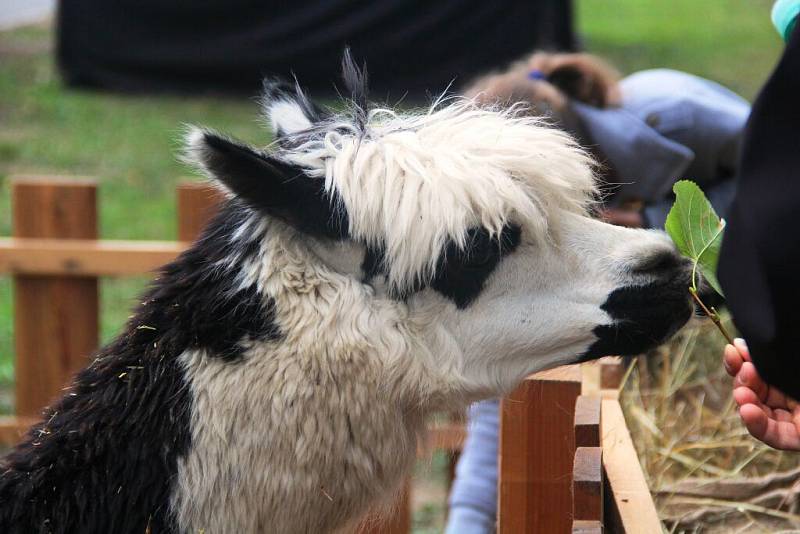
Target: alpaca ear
x=267 y=184
x=288 y=109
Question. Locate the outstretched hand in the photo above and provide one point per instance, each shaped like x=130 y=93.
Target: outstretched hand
x=769 y=415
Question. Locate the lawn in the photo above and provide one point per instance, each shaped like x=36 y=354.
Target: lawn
x=129 y=142
x=729 y=41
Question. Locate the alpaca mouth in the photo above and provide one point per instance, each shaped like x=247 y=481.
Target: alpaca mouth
x=643 y=318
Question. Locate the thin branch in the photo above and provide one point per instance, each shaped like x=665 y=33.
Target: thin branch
x=712 y=314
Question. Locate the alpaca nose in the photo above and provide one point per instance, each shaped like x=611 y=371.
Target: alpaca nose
x=664 y=263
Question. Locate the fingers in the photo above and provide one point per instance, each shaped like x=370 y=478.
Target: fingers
x=731 y=360
x=734 y=355
x=768 y=395
x=777 y=399
x=755 y=420
x=769 y=415
x=781 y=415
x=782 y=435
x=743 y=395
x=741 y=347
x=737 y=363
x=748 y=377
x=777 y=428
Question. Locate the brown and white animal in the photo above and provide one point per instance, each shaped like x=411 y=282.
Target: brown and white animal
x=368 y=269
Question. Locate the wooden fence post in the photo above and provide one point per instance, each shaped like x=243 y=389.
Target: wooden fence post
x=587 y=422
x=587 y=484
x=537 y=449
x=197 y=204
x=587 y=471
x=56 y=317
x=612 y=370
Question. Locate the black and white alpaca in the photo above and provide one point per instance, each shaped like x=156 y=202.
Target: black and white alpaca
x=371 y=268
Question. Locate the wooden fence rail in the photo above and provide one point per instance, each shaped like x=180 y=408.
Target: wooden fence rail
x=566 y=460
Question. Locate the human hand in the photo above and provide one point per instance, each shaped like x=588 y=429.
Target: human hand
x=769 y=415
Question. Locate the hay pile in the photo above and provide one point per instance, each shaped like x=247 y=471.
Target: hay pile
x=705 y=471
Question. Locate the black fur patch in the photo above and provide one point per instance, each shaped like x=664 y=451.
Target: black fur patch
x=105 y=457
x=644 y=317
x=274 y=187
x=357 y=85
x=372 y=265
x=460 y=273
x=200 y=302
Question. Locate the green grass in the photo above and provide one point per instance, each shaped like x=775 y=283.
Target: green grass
x=128 y=143
x=729 y=41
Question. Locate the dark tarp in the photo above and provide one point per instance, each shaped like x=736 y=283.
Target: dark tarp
x=417 y=46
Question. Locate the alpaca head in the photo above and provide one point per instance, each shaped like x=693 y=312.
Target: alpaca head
x=475 y=220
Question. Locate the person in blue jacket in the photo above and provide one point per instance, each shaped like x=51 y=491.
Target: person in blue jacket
x=649 y=130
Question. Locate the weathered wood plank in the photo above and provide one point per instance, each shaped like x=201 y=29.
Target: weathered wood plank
x=587 y=527
x=12 y=428
x=198 y=202
x=632 y=508
x=612 y=371
x=537 y=446
x=587 y=422
x=85 y=258
x=56 y=317
x=446 y=437
x=587 y=484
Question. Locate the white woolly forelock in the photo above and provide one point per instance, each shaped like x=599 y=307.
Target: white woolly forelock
x=411 y=181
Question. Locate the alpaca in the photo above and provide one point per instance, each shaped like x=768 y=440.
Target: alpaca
x=370 y=268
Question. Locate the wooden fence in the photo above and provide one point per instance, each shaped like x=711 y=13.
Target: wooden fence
x=566 y=460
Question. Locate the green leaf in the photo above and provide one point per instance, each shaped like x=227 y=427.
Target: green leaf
x=697 y=230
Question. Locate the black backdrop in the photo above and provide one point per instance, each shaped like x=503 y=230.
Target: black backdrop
x=414 y=46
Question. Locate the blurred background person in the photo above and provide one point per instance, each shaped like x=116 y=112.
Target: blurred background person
x=648 y=130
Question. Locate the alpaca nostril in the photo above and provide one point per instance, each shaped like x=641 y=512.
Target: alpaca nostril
x=664 y=261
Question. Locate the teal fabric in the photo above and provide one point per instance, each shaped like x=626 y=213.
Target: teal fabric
x=784 y=16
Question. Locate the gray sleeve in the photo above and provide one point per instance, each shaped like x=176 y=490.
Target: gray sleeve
x=473 y=499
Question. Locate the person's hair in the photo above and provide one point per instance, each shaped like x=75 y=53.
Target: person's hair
x=546 y=82
x=550 y=79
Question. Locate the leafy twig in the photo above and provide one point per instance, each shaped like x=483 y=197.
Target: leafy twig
x=712 y=314
x=697 y=231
